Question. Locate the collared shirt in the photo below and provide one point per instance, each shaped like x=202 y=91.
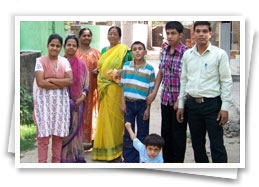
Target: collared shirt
x=171 y=67
x=206 y=75
x=137 y=82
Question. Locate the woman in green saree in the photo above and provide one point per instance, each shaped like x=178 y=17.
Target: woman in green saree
x=108 y=140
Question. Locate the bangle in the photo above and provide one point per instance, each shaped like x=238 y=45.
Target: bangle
x=83 y=93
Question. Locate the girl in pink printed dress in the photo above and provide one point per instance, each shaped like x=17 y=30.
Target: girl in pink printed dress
x=51 y=100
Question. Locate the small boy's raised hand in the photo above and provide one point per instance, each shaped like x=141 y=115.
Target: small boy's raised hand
x=128 y=125
x=130 y=131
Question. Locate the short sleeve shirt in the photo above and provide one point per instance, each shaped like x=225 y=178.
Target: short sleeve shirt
x=38 y=66
x=137 y=82
x=143 y=157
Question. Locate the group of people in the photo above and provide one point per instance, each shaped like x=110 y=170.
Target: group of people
x=65 y=97
x=115 y=88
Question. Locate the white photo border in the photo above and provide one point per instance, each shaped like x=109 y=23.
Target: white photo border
x=18 y=164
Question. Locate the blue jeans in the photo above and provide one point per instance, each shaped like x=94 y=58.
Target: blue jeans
x=135 y=111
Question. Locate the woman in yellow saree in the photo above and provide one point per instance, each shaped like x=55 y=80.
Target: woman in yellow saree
x=108 y=140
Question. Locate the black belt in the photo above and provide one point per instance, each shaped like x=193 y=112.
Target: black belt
x=135 y=100
x=201 y=99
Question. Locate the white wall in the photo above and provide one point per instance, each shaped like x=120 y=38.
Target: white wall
x=104 y=42
x=140 y=33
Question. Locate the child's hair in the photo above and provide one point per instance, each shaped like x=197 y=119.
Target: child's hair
x=138 y=43
x=202 y=23
x=174 y=25
x=154 y=140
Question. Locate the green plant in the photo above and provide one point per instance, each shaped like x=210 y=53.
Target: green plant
x=26 y=106
x=28 y=135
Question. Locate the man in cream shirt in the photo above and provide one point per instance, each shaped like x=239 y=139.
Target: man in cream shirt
x=206 y=93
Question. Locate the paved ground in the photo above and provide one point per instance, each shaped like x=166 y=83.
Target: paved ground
x=232 y=144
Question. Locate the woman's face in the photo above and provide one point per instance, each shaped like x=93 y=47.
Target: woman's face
x=54 y=47
x=113 y=36
x=86 y=37
x=71 y=47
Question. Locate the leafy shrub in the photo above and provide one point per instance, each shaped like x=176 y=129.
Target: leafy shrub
x=28 y=135
x=26 y=106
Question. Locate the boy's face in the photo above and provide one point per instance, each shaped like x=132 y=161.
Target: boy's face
x=138 y=51
x=152 y=151
x=173 y=37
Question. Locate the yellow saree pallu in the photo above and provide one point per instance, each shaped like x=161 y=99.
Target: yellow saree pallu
x=108 y=140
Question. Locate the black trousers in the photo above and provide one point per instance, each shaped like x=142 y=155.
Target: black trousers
x=174 y=134
x=202 y=118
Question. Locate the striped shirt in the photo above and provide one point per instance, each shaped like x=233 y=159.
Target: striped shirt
x=137 y=82
x=171 y=66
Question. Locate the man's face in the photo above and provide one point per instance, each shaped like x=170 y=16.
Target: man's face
x=173 y=37
x=202 y=35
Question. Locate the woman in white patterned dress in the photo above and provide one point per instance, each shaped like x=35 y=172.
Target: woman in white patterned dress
x=51 y=101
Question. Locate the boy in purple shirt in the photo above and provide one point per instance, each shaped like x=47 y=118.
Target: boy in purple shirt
x=173 y=132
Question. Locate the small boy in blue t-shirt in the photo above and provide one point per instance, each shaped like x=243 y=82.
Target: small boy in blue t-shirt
x=150 y=151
